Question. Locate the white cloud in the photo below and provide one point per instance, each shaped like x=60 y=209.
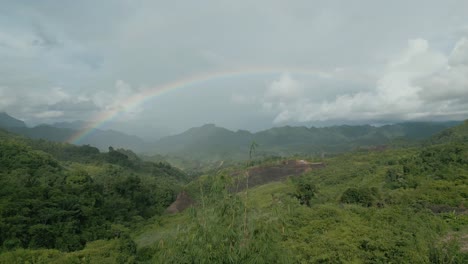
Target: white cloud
x=53 y=96
x=117 y=99
x=158 y=43
x=48 y=114
x=451 y=82
x=418 y=83
x=45 y=104
x=459 y=55
x=284 y=89
x=29 y=98
x=5 y=100
x=284 y=96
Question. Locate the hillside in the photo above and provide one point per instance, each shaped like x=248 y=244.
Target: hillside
x=61 y=132
x=62 y=197
x=9 y=121
x=453 y=134
x=208 y=141
x=403 y=205
x=212 y=143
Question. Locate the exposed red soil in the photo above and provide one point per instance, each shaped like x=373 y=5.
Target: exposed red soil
x=264 y=174
x=257 y=176
x=182 y=202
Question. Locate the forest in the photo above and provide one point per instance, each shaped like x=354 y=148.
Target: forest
x=61 y=203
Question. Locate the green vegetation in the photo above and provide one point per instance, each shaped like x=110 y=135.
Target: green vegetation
x=59 y=196
x=67 y=204
x=211 y=144
x=61 y=132
x=403 y=205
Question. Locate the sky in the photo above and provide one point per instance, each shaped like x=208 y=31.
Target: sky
x=297 y=62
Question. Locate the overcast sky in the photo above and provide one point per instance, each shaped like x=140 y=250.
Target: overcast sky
x=374 y=61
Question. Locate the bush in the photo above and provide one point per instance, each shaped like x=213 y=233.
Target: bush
x=305 y=191
x=363 y=196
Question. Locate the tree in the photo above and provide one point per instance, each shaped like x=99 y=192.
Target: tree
x=305 y=191
x=253 y=147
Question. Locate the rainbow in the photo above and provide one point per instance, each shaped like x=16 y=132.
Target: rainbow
x=140 y=98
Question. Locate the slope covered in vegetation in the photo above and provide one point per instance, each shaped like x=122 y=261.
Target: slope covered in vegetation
x=402 y=205
x=211 y=143
x=59 y=196
x=398 y=206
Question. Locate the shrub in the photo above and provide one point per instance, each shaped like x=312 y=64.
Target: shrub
x=363 y=196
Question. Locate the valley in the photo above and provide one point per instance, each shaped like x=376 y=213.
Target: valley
x=399 y=203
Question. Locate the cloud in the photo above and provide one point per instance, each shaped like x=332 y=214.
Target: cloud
x=418 y=83
x=5 y=100
x=451 y=82
x=459 y=55
x=284 y=89
x=75 y=105
x=282 y=95
x=44 y=38
x=56 y=104
x=48 y=114
x=25 y=98
x=243 y=99
x=117 y=99
x=46 y=104
x=85 y=46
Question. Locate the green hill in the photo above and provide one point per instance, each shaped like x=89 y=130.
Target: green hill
x=60 y=196
x=211 y=143
x=8 y=121
x=405 y=205
x=454 y=134
x=61 y=203
x=101 y=139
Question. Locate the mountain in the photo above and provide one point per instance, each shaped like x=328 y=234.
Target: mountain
x=454 y=134
x=101 y=139
x=61 y=132
x=78 y=124
x=210 y=142
x=9 y=121
x=205 y=141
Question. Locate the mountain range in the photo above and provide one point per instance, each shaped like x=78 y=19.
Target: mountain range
x=217 y=143
x=211 y=143
x=61 y=132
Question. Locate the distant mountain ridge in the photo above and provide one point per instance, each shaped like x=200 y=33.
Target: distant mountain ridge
x=212 y=143
x=217 y=143
x=78 y=124
x=63 y=131
x=9 y=121
x=454 y=134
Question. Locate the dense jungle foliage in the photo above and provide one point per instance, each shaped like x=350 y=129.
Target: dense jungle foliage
x=59 y=196
x=395 y=205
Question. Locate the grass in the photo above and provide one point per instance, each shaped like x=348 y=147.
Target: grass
x=99 y=251
x=159 y=229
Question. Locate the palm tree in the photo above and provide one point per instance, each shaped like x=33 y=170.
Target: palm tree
x=253 y=147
